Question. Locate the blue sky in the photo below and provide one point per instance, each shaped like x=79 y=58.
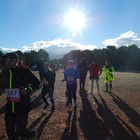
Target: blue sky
x=35 y=24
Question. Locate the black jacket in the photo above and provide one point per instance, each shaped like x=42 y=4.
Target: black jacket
x=21 y=77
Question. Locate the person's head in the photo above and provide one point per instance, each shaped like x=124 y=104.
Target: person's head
x=83 y=60
x=11 y=60
x=46 y=66
x=41 y=60
x=106 y=63
x=70 y=64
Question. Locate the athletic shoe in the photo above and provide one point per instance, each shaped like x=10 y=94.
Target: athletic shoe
x=52 y=108
x=91 y=92
x=69 y=106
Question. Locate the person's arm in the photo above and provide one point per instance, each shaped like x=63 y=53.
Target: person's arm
x=77 y=75
x=32 y=79
x=100 y=70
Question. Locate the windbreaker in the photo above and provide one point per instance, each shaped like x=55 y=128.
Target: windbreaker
x=17 y=78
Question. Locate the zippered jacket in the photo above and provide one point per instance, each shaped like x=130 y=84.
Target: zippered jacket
x=18 y=78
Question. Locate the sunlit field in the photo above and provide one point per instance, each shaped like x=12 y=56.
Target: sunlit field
x=103 y=116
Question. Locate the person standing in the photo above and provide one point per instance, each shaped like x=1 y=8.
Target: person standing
x=17 y=83
x=40 y=67
x=71 y=75
x=95 y=71
x=82 y=68
x=108 y=73
x=48 y=86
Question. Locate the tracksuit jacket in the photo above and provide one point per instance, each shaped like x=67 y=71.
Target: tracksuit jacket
x=18 y=78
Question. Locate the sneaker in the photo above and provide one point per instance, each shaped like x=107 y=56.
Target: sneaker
x=52 y=108
x=91 y=92
x=69 y=106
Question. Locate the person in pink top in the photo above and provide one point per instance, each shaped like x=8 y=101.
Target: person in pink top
x=95 y=71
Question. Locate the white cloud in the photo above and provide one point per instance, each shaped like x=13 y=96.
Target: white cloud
x=124 y=39
x=59 y=47
x=55 y=48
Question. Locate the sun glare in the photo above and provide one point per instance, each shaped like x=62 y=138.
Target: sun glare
x=74 y=21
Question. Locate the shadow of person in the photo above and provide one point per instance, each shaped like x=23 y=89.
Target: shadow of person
x=70 y=131
x=2 y=109
x=42 y=124
x=36 y=101
x=114 y=129
x=73 y=133
x=129 y=111
x=40 y=128
x=90 y=124
x=135 y=137
x=66 y=135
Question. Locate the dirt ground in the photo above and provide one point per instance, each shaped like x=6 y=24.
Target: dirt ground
x=103 y=116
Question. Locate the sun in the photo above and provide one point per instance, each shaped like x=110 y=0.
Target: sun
x=74 y=20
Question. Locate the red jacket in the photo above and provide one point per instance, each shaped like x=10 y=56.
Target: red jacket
x=95 y=70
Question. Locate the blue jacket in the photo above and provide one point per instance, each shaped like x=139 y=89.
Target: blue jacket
x=70 y=75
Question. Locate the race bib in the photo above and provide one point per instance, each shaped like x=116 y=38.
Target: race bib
x=70 y=78
x=13 y=94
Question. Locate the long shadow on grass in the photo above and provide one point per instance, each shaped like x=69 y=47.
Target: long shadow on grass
x=114 y=127
x=36 y=101
x=92 y=127
x=129 y=111
x=70 y=131
x=41 y=126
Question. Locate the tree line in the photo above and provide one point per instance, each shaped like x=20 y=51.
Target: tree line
x=124 y=58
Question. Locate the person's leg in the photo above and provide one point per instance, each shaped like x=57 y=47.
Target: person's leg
x=83 y=81
x=43 y=94
x=74 y=89
x=97 y=83
x=80 y=82
x=106 y=87
x=69 y=94
x=21 y=125
x=10 y=124
x=92 y=84
x=110 y=86
x=51 y=96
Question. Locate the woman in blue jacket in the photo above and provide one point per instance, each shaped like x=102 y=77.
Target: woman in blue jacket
x=71 y=75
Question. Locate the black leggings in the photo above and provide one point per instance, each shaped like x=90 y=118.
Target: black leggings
x=16 y=125
x=71 y=89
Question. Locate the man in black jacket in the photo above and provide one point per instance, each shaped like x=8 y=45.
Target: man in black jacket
x=82 y=68
x=17 y=83
x=48 y=86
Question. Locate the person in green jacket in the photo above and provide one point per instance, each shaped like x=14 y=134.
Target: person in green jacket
x=108 y=73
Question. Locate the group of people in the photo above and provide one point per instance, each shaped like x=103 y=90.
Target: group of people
x=18 y=82
x=72 y=73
